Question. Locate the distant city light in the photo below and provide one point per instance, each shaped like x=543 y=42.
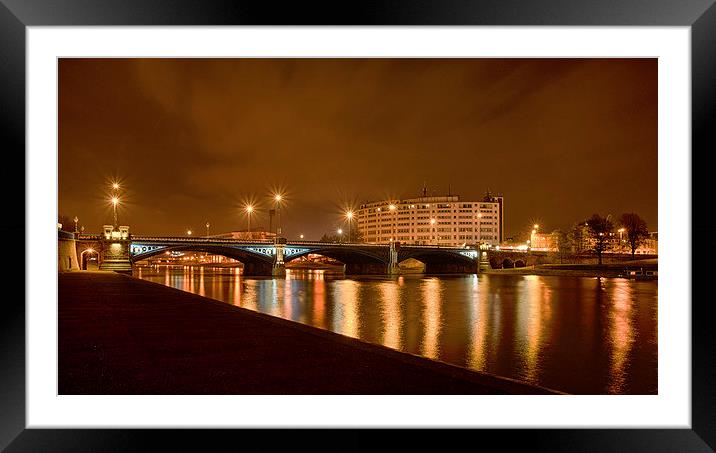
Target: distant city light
x=432 y=221
x=115 y=200
x=188 y=232
x=115 y=185
x=391 y=207
x=340 y=231
x=349 y=215
x=301 y=236
x=536 y=226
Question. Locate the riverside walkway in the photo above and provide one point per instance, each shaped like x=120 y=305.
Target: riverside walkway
x=122 y=335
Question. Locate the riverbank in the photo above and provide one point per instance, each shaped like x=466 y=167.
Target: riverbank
x=580 y=270
x=122 y=335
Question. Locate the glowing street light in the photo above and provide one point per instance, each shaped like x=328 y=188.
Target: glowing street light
x=249 y=209
x=392 y=208
x=188 y=232
x=535 y=227
x=207 y=228
x=340 y=235
x=349 y=216
x=301 y=236
x=278 y=198
x=115 y=186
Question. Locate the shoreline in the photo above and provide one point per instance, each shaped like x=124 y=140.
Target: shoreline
x=556 y=270
x=122 y=335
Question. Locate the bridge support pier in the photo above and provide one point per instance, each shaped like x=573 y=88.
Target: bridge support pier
x=393 y=267
x=483 y=263
x=279 y=267
x=114 y=255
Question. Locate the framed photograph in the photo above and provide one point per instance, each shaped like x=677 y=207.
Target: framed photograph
x=444 y=217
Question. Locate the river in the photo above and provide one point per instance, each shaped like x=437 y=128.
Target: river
x=574 y=334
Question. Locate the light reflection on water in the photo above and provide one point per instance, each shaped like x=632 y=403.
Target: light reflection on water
x=578 y=335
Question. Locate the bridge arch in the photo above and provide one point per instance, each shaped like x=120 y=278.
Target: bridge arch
x=255 y=263
x=357 y=260
x=442 y=261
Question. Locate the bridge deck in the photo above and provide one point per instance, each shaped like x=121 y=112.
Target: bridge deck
x=121 y=335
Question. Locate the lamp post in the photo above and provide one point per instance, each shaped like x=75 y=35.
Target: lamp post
x=278 y=199
x=115 y=202
x=391 y=208
x=349 y=216
x=249 y=209
x=207 y=228
x=76 y=220
x=340 y=235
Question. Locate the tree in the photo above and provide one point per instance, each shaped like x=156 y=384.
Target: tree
x=635 y=229
x=599 y=228
x=578 y=238
x=561 y=244
x=330 y=238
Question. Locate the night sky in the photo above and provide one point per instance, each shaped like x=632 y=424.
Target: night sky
x=191 y=139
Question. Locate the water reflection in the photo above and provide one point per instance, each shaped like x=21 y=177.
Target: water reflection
x=431 y=289
x=391 y=315
x=621 y=333
x=578 y=335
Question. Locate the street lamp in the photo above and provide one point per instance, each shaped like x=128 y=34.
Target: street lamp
x=301 y=236
x=249 y=209
x=76 y=220
x=340 y=235
x=207 y=228
x=278 y=198
x=391 y=208
x=349 y=216
x=535 y=227
x=188 y=232
x=115 y=202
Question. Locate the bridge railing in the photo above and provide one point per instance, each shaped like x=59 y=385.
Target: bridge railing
x=204 y=240
x=196 y=240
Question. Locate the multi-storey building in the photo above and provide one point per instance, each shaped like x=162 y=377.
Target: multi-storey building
x=444 y=220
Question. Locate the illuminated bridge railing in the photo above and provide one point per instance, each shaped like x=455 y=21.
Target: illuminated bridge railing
x=195 y=240
x=210 y=240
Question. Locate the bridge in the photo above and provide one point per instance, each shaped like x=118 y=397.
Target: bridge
x=119 y=250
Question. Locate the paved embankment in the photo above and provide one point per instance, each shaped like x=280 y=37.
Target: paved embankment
x=122 y=335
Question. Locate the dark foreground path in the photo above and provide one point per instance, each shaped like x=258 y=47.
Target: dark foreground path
x=122 y=335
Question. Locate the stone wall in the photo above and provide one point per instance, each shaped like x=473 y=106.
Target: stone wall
x=66 y=252
x=537 y=258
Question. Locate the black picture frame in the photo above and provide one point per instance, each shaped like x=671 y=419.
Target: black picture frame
x=16 y=15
